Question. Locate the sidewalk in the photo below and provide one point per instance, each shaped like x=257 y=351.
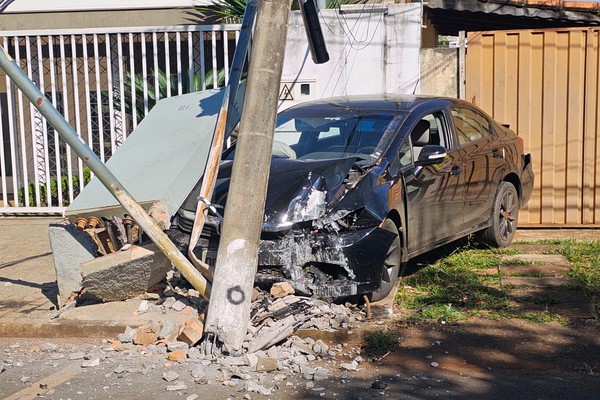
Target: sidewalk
x=28 y=289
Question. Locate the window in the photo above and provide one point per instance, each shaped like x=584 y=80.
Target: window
x=429 y=130
x=469 y=125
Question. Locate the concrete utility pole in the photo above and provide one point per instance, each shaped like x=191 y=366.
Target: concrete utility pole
x=229 y=308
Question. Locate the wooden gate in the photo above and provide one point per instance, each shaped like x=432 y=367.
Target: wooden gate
x=546 y=85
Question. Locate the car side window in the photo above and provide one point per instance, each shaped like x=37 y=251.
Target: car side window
x=429 y=130
x=469 y=125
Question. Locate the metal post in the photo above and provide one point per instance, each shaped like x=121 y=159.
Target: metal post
x=107 y=178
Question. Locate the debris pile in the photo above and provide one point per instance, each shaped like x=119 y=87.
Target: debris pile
x=278 y=340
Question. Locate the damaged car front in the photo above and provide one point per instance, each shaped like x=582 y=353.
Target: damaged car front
x=327 y=228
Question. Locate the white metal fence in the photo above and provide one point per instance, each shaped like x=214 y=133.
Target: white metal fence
x=104 y=82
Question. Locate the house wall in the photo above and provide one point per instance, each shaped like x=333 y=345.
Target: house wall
x=374 y=50
x=546 y=85
x=439 y=75
x=95 y=19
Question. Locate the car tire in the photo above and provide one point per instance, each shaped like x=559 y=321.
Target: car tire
x=392 y=264
x=505 y=213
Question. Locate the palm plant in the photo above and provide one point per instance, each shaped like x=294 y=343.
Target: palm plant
x=232 y=11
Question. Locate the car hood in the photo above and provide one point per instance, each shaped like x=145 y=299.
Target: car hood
x=307 y=190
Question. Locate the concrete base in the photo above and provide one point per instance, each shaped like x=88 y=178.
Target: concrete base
x=70 y=247
x=124 y=274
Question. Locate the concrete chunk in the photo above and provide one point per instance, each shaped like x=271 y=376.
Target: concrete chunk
x=124 y=274
x=146 y=335
x=70 y=248
x=192 y=332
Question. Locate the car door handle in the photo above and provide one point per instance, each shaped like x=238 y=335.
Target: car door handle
x=498 y=153
x=455 y=171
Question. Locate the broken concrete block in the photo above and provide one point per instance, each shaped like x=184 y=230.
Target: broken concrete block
x=169 y=330
x=70 y=248
x=146 y=335
x=281 y=289
x=124 y=274
x=192 y=332
x=266 y=364
x=177 y=356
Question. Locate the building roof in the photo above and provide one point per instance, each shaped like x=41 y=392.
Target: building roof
x=451 y=16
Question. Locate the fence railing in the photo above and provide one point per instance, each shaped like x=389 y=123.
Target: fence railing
x=104 y=82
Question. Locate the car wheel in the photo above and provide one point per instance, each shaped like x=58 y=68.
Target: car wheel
x=504 y=217
x=391 y=266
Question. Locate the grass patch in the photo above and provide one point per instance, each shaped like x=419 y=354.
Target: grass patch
x=584 y=257
x=455 y=284
x=542 y=317
x=379 y=342
x=449 y=287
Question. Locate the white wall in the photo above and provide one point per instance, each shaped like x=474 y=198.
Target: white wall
x=21 y=6
x=371 y=52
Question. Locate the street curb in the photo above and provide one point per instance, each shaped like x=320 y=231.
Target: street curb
x=62 y=329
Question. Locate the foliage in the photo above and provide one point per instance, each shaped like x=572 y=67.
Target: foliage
x=232 y=11
x=379 y=342
x=187 y=86
x=584 y=257
x=64 y=184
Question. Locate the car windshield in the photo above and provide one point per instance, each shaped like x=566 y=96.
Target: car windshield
x=311 y=133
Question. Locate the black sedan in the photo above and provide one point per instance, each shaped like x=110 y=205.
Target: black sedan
x=360 y=185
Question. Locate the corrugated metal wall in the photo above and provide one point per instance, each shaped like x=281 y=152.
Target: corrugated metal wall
x=546 y=85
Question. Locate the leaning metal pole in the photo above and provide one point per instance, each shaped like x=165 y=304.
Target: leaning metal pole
x=22 y=81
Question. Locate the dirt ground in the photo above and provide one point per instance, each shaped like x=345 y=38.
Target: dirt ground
x=482 y=358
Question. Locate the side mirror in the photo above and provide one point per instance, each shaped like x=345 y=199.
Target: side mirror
x=431 y=154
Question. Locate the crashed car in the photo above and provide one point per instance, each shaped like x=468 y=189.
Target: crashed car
x=360 y=185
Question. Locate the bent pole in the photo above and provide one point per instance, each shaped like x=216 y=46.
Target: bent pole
x=22 y=81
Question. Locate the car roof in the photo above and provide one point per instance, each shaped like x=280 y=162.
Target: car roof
x=382 y=102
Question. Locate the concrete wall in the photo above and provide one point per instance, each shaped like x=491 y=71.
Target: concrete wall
x=370 y=52
x=439 y=72
x=95 y=19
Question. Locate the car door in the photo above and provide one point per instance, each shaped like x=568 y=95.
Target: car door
x=482 y=158
x=434 y=192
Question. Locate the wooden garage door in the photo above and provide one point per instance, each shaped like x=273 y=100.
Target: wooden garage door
x=546 y=85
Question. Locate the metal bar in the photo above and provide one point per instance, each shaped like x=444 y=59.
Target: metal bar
x=226 y=56
x=132 y=82
x=14 y=148
x=167 y=63
x=122 y=88
x=88 y=100
x=214 y=59
x=105 y=176
x=76 y=109
x=179 y=73
x=44 y=159
x=99 y=113
x=111 y=108
x=214 y=157
x=65 y=103
x=190 y=71
x=58 y=171
x=3 y=171
x=133 y=29
x=156 y=70
x=202 y=66
x=144 y=73
x=25 y=174
x=36 y=188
